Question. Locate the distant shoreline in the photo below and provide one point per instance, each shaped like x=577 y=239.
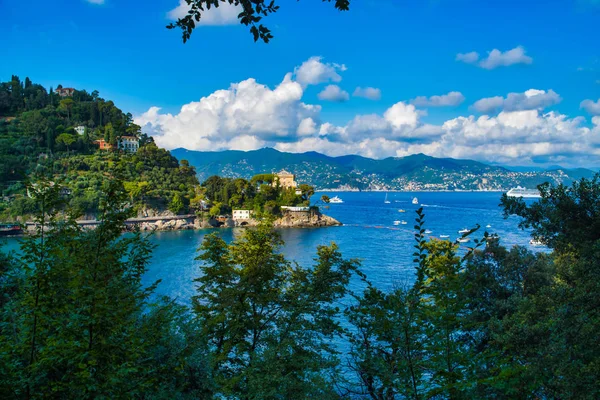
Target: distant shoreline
x=410 y=191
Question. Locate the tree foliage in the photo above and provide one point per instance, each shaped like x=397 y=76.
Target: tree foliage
x=251 y=14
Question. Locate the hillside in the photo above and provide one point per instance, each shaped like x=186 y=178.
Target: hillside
x=415 y=172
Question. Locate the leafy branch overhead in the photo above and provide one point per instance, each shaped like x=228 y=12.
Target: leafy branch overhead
x=253 y=11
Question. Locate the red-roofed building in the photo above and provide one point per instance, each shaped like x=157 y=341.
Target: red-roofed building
x=103 y=144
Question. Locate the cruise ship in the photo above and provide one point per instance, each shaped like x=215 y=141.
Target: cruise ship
x=522 y=192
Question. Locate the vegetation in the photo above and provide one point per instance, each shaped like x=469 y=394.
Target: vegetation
x=261 y=194
x=38 y=137
x=252 y=13
x=75 y=321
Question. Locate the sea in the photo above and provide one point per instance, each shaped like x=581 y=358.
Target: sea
x=368 y=234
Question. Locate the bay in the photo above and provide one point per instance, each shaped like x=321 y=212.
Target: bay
x=368 y=234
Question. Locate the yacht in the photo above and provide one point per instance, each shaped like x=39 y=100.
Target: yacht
x=444 y=236
x=463 y=240
x=386 y=201
x=336 y=200
x=522 y=192
x=488 y=226
x=401 y=210
x=428 y=231
x=403 y=222
x=397 y=222
x=415 y=200
x=464 y=230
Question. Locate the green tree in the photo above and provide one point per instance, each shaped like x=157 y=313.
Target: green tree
x=65 y=139
x=177 y=205
x=270 y=323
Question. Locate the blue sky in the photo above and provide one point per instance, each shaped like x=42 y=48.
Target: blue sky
x=406 y=49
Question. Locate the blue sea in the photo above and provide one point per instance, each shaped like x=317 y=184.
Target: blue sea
x=368 y=234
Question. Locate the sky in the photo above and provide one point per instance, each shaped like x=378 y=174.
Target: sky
x=505 y=82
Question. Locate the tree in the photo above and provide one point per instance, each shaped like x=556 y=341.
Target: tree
x=270 y=323
x=65 y=139
x=252 y=12
x=177 y=205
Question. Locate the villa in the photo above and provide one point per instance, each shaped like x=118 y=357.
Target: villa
x=129 y=144
x=285 y=180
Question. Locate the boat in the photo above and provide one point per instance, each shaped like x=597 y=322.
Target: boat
x=386 y=201
x=336 y=200
x=10 y=229
x=397 y=222
x=464 y=230
x=463 y=240
x=401 y=210
x=415 y=200
x=488 y=226
x=534 y=242
x=428 y=231
x=525 y=193
x=444 y=236
x=403 y=222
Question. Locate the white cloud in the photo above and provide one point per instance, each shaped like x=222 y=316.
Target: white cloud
x=313 y=71
x=469 y=58
x=225 y=14
x=250 y=115
x=529 y=100
x=496 y=58
x=450 y=99
x=95 y=1
x=591 y=107
x=368 y=93
x=333 y=93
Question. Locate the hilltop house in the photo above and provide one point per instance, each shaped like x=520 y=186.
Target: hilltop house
x=128 y=144
x=285 y=179
x=80 y=129
x=103 y=144
x=64 y=92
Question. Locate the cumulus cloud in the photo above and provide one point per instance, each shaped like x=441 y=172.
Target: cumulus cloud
x=333 y=93
x=225 y=14
x=529 y=100
x=469 y=58
x=313 y=71
x=591 y=107
x=496 y=58
x=367 y=93
x=249 y=115
x=450 y=99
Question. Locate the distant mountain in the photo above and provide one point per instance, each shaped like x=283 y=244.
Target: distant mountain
x=414 y=172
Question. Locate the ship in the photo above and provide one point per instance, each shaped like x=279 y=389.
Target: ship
x=336 y=200
x=522 y=192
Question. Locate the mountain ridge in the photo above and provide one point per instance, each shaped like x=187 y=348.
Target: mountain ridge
x=355 y=172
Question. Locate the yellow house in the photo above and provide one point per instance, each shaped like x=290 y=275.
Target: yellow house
x=285 y=179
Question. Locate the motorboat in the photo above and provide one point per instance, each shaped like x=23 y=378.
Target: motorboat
x=401 y=210
x=415 y=200
x=428 y=231
x=525 y=193
x=534 y=242
x=336 y=200
x=386 y=201
x=403 y=222
x=488 y=226
x=397 y=222
x=444 y=236
x=463 y=240
x=464 y=230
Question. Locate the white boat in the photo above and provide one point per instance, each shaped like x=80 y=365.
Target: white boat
x=428 y=231
x=403 y=222
x=488 y=226
x=397 y=222
x=336 y=200
x=444 y=236
x=463 y=240
x=522 y=192
x=401 y=210
x=386 y=201
x=464 y=230
x=534 y=242
x=415 y=200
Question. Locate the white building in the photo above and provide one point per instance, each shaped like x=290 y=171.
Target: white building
x=241 y=214
x=129 y=144
x=295 y=209
x=80 y=129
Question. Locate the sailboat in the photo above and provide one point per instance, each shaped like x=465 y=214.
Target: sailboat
x=415 y=200
x=386 y=201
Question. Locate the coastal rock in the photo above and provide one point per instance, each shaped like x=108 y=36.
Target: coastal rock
x=305 y=219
